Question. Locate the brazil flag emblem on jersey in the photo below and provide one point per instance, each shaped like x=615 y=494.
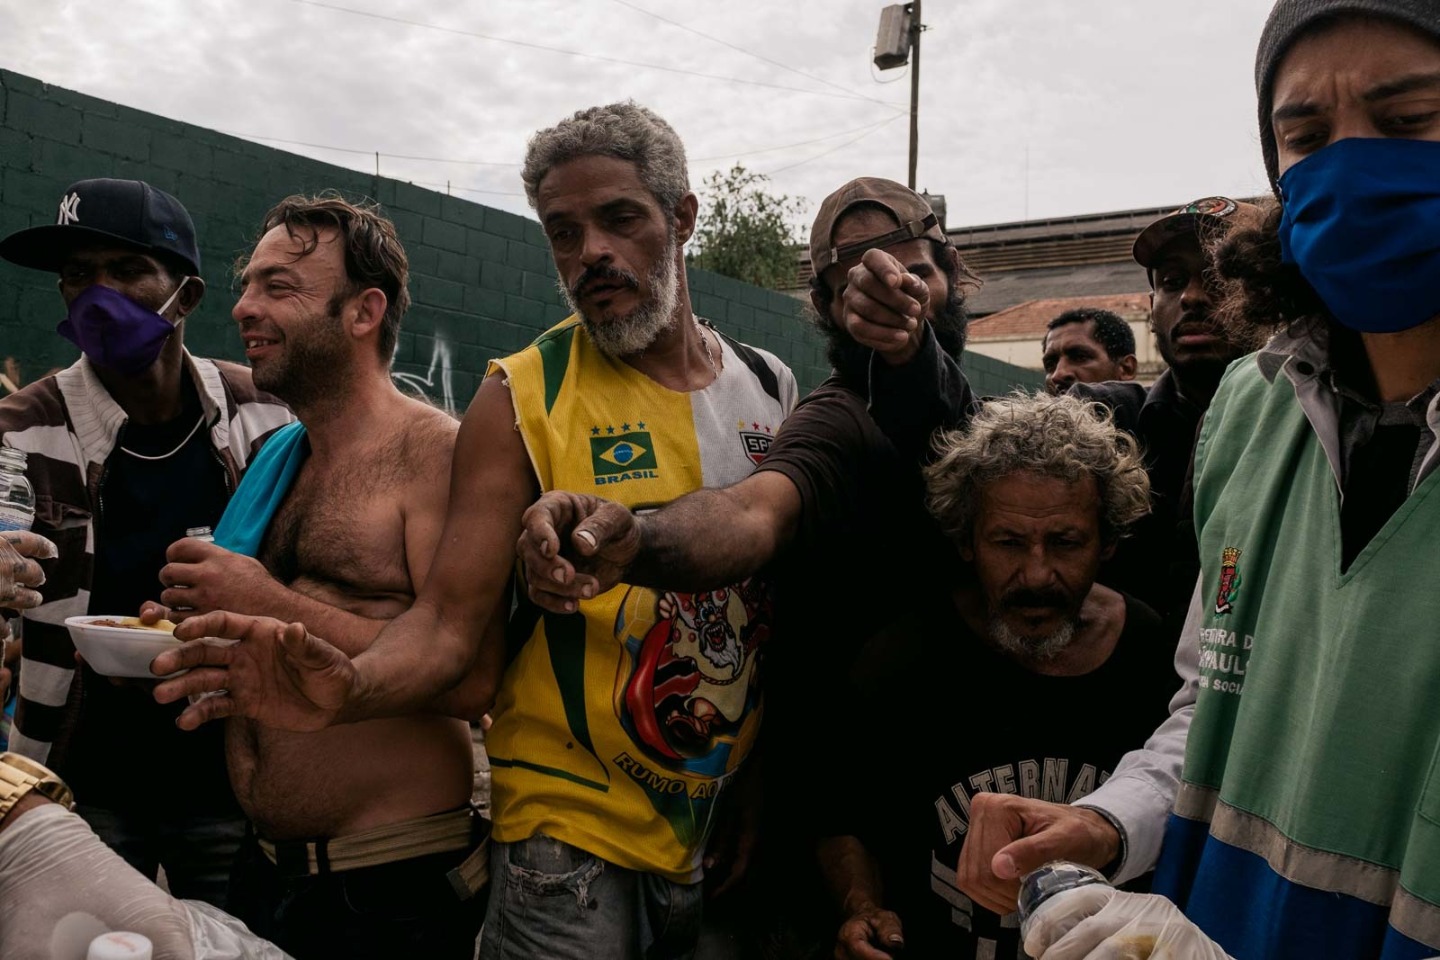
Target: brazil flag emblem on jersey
x=627 y=453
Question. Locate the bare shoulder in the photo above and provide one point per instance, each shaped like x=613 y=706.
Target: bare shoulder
x=429 y=433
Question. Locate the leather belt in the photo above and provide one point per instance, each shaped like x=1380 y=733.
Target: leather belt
x=440 y=833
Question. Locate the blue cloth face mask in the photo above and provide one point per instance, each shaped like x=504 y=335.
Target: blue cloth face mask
x=1362 y=222
x=114 y=331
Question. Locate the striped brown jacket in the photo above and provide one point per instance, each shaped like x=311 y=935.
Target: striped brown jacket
x=68 y=424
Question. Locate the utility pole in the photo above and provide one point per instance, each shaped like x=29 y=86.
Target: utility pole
x=896 y=42
x=915 y=28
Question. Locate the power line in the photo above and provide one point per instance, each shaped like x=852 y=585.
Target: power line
x=803 y=143
x=455 y=186
x=751 y=53
x=576 y=53
x=511 y=165
x=370 y=153
x=826 y=153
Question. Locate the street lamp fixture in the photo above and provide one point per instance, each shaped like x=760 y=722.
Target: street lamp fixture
x=897 y=38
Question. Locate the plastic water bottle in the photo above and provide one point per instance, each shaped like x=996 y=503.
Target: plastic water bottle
x=17 y=508
x=1039 y=886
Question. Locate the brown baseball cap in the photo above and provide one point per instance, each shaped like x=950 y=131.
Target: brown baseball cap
x=1209 y=212
x=911 y=212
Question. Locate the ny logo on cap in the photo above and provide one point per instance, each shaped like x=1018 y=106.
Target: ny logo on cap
x=67 y=210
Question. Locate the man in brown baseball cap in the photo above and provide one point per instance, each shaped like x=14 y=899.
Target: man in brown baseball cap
x=832 y=495
x=871 y=213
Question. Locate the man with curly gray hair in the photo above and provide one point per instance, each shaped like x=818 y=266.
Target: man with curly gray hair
x=1026 y=678
x=1051 y=436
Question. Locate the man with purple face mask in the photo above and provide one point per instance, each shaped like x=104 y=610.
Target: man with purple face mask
x=130 y=446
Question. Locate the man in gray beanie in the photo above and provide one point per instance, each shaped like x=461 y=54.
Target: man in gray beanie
x=1291 y=19
x=1297 y=782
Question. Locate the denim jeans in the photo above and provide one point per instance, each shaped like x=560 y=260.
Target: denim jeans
x=549 y=899
x=196 y=852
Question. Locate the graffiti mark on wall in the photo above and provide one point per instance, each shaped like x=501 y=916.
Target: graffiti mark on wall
x=436 y=382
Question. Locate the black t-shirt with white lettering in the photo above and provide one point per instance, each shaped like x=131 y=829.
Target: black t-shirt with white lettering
x=941 y=716
x=864 y=547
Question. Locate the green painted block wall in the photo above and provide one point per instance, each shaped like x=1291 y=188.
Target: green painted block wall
x=482 y=280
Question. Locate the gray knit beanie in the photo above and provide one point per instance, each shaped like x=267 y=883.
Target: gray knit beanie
x=1290 y=18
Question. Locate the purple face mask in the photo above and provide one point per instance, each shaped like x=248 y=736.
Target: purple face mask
x=114 y=331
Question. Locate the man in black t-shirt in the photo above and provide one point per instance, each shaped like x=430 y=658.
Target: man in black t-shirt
x=833 y=503
x=833 y=490
x=1028 y=678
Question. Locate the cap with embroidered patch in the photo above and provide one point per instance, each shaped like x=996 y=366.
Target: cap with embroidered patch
x=130 y=212
x=1210 y=211
x=911 y=212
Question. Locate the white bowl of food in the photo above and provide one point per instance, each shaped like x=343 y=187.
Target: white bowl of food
x=121 y=646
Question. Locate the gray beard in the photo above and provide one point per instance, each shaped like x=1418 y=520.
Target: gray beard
x=631 y=334
x=1038 y=649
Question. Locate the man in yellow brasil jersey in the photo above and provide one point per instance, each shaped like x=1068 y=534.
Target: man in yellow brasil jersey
x=618 y=728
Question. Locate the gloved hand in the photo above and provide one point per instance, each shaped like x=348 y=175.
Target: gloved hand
x=20 y=574
x=215 y=935
x=53 y=868
x=1098 y=922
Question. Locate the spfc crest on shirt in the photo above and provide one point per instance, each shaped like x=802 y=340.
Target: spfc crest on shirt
x=756 y=438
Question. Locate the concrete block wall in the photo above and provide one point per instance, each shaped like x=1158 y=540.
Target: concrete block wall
x=482 y=280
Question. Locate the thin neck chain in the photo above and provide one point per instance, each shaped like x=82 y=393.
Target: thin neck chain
x=705 y=344
x=167 y=456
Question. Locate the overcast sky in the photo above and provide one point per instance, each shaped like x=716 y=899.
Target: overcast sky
x=1028 y=108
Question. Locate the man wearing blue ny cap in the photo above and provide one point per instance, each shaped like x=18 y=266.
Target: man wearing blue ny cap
x=128 y=447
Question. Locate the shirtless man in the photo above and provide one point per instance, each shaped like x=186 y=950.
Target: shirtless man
x=357 y=828
x=633 y=393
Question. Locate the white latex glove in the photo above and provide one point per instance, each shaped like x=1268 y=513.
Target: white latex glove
x=216 y=935
x=20 y=574
x=1101 y=923
x=60 y=886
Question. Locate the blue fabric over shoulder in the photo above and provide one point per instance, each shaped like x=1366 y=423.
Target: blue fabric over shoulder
x=263 y=488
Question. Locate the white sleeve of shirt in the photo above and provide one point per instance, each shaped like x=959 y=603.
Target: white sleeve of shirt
x=1138 y=797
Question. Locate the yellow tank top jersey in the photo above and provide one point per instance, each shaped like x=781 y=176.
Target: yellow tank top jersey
x=617 y=728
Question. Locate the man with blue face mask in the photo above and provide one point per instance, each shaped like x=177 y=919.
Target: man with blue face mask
x=130 y=446
x=1305 y=818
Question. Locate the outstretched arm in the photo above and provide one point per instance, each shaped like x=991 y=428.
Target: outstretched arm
x=915 y=387
x=429 y=649
x=575 y=546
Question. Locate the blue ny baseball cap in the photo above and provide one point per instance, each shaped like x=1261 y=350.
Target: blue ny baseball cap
x=129 y=212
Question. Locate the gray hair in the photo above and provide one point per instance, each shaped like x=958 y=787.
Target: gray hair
x=1053 y=436
x=626 y=131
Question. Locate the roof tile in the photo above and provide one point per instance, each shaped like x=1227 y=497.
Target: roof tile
x=1029 y=319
